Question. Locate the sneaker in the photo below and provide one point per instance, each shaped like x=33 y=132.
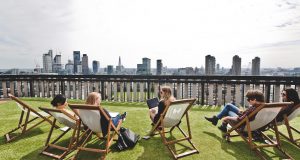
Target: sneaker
x=223 y=128
x=214 y=120
x=123 y=116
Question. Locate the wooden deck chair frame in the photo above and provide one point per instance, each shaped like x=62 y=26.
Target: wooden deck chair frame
x=290 y=129
x=24 y=120
x=111 y=130
x=69 y=121
x=247 y=127
x=162 y=129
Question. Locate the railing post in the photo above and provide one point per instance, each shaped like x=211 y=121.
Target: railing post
x=202 y=93
x=102 y=90
x=148 y=90
x=267 y=92
x=62 y=84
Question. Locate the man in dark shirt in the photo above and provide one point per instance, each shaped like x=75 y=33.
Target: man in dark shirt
x=255 y=98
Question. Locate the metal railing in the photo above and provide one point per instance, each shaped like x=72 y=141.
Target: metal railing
x=208 y=90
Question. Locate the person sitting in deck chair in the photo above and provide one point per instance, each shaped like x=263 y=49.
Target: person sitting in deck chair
x=94 y=98
x=166 y=98
x=60 y=102
x=288 y=95
x=233 y=113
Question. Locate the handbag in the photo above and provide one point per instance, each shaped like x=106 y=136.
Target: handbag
x=127 y=139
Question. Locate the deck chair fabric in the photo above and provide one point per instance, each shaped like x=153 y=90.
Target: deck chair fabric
x=90 y=115
x=25 y=123
x=264 y=114
x=171 y=118
x=72 y=123
x=290 y=129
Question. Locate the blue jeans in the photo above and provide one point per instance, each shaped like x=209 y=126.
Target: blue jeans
x=228 y=110
x=116 y=120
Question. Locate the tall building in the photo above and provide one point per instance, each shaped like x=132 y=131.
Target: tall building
x=47 y=62
x=210 y=62
x=96 y=66
x=76 y=60
x=79 y=68
x=110 y=69
x=57 y=66
x=159 y=66
x=85 y=64
x=69 y=67
x=119 y=67
x=255 y=66
x=236 y=65
x=145 y=68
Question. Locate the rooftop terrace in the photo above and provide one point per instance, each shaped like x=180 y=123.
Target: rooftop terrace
x=206 y=137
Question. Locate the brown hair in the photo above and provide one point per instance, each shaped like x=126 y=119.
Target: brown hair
x=255 y=94
x=92 y=98
x=167 y=96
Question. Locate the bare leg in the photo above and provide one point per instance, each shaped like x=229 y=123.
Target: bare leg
x=153 y=112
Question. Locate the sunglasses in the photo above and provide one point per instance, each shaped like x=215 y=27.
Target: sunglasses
x=283 y=94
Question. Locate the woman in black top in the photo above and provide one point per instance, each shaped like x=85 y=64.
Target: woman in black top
x=166 y=98
x=288 y=95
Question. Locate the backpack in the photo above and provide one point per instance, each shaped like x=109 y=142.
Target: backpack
x=127 y=139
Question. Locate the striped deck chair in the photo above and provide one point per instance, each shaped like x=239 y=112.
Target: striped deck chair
x=25 y=123
x=264 y=114
x=171 y=118
x=290 y=129
x=90 y=115
x=72 y=123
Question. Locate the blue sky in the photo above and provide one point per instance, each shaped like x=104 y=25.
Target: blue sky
x=180 y=33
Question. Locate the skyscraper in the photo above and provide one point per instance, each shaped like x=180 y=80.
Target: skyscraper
x=47 y=62
x=159 y=66
x=236 y=65
x=85 y=64
x=119 y=67
x=96 y=66
x=145 y=68
x=76 y=56
x=255 y=66
x=57 y=66
x=210 y=62
x=69 y=67
x=110 y=69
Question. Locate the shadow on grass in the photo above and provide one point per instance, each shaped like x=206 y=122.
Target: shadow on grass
x=232 y=149
x=31 y=133
x=36 y=153
x=153 y=149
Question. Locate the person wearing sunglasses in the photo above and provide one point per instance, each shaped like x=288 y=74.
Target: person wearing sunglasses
x=230 y=112
x=166 y=98
x=288 y=95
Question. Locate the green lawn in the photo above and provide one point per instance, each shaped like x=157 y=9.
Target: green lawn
x=206 y=137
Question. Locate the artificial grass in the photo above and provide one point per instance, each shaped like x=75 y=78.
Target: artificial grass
x=207 y=138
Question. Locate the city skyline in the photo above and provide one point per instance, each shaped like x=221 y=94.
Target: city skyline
x=181 y=34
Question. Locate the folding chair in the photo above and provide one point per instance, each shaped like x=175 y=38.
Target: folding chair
x=90 y=115
x=290 y=129
x=71 y=122
x=171 y=118
x=24 y=126
x=264 y=114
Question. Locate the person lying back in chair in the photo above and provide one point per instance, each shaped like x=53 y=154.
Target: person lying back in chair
x=94 y=98
x=60 y=102
x=288 y=95
x=166 y=98
x=233 y=113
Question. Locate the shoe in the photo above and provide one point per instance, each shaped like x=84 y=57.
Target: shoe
x=213 y=120
x=223 y=128
x=123 y=116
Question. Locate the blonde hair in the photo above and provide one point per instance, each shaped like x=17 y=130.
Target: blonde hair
x=92 y=98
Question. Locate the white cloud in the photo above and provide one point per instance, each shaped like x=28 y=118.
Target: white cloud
x=180 y=33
